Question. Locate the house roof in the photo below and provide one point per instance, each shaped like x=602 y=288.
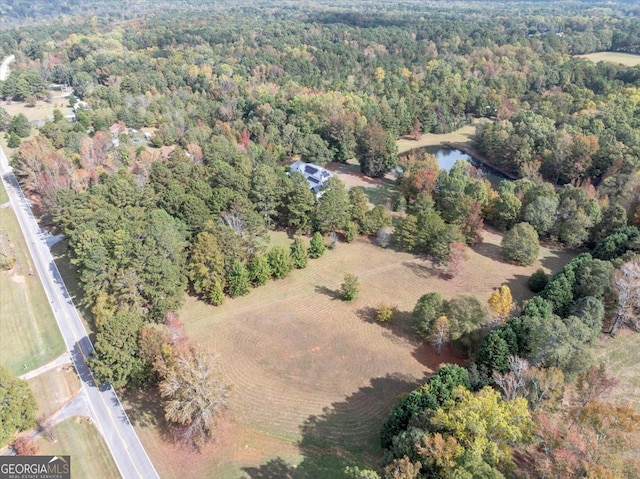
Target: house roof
x=165 y=151
x=314 y=174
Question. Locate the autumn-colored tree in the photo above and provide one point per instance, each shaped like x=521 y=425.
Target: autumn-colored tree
x=473 y=224
x=24 y=446
x=402 y=469
x=442 y=453
x=597 y=440
x=594 y=383
x=440 y=333
x=455 y=261
x=544 y=388
x=501 y=303
x=194 y=396
x=484 y=424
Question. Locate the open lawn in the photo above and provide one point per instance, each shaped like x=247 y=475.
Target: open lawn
x=613 y=57
x=30 y=335
x=42 y=110
x=53 y=389
x=314 y=377
x=621 y=356
x=78 y=437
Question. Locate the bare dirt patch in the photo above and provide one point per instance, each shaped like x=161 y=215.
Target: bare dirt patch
x=314 y=377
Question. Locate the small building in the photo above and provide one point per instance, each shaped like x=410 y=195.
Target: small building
x=165 y=151
x=118 y=128
x=315 y=175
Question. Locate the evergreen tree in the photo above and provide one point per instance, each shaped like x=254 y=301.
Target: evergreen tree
x=299 y=255
x=316 y=246
x=237 y=280
x=279 y=262
x=259 y=270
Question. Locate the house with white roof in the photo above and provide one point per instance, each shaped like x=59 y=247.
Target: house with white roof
x=315 y=175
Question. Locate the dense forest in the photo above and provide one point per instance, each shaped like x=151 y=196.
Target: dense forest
x=231 y=93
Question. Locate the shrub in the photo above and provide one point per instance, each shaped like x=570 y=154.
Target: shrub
x=350 y=287
x=538 y=280
x=385 y=312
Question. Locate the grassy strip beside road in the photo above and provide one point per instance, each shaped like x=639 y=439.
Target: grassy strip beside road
x=79 y=438
x=30 y=337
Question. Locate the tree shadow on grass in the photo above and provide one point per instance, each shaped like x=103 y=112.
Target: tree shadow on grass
x=332 y=293
x=491 y=251
x=346 y=433
x=144 y=409
x=422 y=270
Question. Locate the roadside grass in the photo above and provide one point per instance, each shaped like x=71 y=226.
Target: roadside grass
x=30 y=336
x=313 y=377
x=79 y=438
x=53 y=389
x=621 y=356
x=627 y=59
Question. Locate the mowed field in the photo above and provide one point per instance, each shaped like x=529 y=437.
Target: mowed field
x=42 y=110
x=314 y=377
x=627 y=59
x=78 y=437
x=30 y=335
x=621 y=356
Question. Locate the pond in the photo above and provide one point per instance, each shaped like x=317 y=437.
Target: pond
x=447 y=157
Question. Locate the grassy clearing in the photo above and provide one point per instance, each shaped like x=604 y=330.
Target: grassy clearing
x=79 y=438
x=54 y=389
x=621 y=356
x=314 y=377
x=42 y=110
x=461 y=136
x=30 y=335
x=627 y=59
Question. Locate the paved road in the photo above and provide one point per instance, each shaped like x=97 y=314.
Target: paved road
x=106 y=410
x=4 y=68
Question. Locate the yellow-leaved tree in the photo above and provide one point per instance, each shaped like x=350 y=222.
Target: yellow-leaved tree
x=501 y=303
x=484 y=424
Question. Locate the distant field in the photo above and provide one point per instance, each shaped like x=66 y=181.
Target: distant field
x=42 y=111
x=79 y=438
x=621 y=356
x=614 y=57
x=30 y=335
x=313 y=377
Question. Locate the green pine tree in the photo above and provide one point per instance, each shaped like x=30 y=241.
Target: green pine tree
x=299 y=254
x=316 y=247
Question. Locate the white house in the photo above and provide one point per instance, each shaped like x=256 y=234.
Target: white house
x=315 y=175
